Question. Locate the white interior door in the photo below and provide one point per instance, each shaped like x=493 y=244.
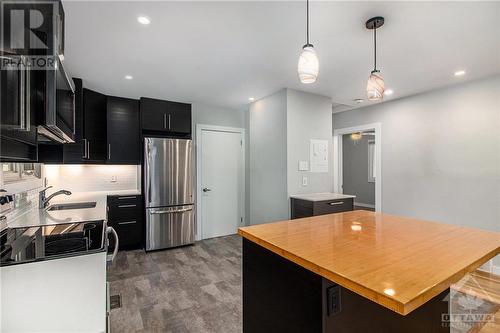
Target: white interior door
x=222 y=177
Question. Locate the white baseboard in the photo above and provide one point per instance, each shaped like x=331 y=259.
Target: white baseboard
x=364 y=205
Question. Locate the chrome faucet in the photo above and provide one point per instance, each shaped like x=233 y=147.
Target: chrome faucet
x=44 y=201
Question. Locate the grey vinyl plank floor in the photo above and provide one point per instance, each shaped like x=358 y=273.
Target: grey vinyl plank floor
x=188 y=289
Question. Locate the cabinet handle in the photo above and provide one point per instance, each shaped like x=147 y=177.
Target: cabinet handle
x=88 y=149
x=169 y=121
x=123 y=198
x=27 y=101
x=336 y=203
x=109 y=151
x=164 y=120
x=85 y=148
x=126 y=206
x=22 y=97
x=128 y=222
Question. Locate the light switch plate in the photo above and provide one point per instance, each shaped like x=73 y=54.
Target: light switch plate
x=113 y=179
x=304 y=181
x=303 y=165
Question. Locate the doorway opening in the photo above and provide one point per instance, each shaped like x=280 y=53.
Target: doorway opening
x=358 y=164
x=220 y=200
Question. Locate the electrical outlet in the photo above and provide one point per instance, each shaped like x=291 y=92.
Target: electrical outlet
x=304 y=181
x=333 y=300
x=113 y=179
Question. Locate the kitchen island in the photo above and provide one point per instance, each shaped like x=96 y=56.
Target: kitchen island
x=356 y=271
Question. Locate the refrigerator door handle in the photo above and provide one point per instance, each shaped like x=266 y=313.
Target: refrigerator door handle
x=172 y=211
x=148 y=176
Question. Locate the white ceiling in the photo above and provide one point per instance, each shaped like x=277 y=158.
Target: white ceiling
x=222 y=53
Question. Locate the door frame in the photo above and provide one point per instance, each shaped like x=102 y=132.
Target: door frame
x=337 y=159
x=199 y=147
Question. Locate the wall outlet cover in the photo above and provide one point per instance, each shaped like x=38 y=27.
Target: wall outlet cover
x=303 y=165
x=113 y=179
x=304 y=181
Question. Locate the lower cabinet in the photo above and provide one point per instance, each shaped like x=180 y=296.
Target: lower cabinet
x=126 y=216
x=305 y=208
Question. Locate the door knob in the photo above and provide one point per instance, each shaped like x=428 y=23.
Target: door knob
x=206 y=189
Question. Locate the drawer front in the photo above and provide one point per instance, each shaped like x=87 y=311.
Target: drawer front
x=333 y=206
x=130 y=233
x=125 y=212
x=120 y=200
x=169 y=227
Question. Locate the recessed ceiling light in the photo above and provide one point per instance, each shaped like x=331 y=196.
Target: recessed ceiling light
x=251 y=99
x=143 y=20
x=359 y=100
x=388 y=92
x=128 y=77
x=460 y=73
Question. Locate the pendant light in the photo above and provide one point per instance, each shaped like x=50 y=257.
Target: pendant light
x=375 y=86
x=308 y=66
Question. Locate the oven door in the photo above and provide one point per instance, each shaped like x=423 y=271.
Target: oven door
x=59 y=122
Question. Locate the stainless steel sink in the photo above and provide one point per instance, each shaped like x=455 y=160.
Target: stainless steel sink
x=75 y=205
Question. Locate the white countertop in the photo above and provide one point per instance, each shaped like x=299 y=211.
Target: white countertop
x=322 y=196
x=31 y=215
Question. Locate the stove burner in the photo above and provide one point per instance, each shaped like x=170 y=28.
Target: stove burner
x=69 y=245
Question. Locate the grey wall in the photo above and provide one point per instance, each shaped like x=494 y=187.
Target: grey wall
x=214 y=115
x=268 y=159
x=281 y=126
x=308 y=117
x=355 y=169
x=440 y=153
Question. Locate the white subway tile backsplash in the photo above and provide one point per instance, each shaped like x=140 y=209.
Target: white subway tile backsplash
x=88 y=178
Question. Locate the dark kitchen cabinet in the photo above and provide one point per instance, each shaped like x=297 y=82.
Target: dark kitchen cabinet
x=123 y=131
x=305 y=208
x=90 y=128
x=75 y=152
x=94 y=126
x=18 y=131
x=125 y=215
x=166 y=117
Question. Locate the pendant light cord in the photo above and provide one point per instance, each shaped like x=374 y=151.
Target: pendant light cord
x=307 y=22
x=375 y=49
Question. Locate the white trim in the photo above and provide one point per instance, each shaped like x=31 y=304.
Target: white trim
x=198 y=147
x=337 y=158
x=359 y=204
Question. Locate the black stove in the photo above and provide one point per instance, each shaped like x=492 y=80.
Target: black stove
x=21 y=245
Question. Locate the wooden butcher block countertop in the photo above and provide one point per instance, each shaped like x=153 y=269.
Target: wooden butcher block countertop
x=397 y=262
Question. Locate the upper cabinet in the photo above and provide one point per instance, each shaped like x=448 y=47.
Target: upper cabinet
x=164 y=117
x=90 y=128
x=94 y=125
x=18 y=130
x=36 y=105
x=123 y=131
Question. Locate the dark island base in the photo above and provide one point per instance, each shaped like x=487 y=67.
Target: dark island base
x=281 y=296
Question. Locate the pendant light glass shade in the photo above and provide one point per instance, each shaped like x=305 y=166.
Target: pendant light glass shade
x=308 y=67
x=375 y=87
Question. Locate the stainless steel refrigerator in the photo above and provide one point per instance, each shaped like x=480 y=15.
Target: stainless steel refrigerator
x=168 y=187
